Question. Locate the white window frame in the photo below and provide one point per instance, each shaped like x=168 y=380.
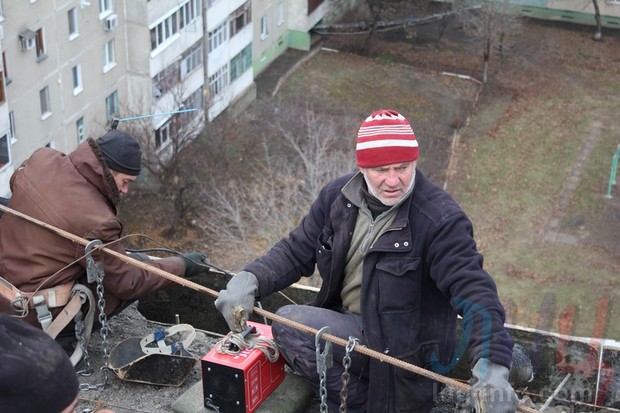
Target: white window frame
x=264 y=29
x=45 y=102
x=165 y=31
x=218 y=37
x=76 y=78
x=162 y=135
x=12 y=126
x=191 y=60
x=218 y=82
x=189 y=12
x=194 y=101
x=105 y=8
x=111 y=105
x=280 y=12
x=80 y=130
x=72 y=17
x=109 y=55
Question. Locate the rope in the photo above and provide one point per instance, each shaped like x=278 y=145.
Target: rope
x=274 y=317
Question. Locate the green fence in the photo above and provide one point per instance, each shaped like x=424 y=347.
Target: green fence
x=614 y=169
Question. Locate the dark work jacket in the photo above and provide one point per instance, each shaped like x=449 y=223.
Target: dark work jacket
x=422 y=272
x=75 y=193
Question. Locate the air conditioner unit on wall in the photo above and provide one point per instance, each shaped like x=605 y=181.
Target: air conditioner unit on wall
x=27 y=39
x=110 y=22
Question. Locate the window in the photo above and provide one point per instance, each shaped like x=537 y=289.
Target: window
x=40 y=45
x=218 y=36
x=313 y=4
x=111 y=106
x=76 y=76
x=12 y=124
x=79 y=129
x=162 y=135
x=109 y=55
x=218 y=81
x=164 y=31
x=44 y=100
x=189 y=12
x=280 y=13
x=194 y=101
x=72 y=16
x=264 y=31
x=191 y=59
x=5 y=69
x=2 y=91
x=105 y=7
x=182 y=16
x=5 y=153
x=241 y=62
x=240 y=18
x=165 y=80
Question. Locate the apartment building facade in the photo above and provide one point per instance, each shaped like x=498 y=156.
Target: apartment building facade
x=6 y=167
x=69 y=67
x=571 y=11
x=281 y=24
x=63 y=74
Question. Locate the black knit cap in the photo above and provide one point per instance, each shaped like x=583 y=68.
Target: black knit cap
x=36 y=374
x=122 y=152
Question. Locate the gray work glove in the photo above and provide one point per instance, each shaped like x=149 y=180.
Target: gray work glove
x=491 y=392
x=236 y=301
x=195 y=263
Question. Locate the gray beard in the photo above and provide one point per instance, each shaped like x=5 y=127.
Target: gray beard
x=371 y=189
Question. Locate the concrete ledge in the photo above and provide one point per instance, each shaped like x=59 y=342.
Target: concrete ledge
x=293 y=395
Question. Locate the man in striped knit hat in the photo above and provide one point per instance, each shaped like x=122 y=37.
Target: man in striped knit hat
x=398 y=262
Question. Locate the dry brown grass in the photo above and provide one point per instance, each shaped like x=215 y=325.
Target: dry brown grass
x=512 y=162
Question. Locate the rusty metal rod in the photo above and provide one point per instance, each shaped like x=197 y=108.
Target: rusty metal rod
x=274 y=317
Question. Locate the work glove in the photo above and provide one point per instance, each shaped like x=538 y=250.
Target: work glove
x=236 y=301
x=195 y=263
x=490 y=391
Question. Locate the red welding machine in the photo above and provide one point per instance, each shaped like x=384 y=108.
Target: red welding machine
x=239 y=383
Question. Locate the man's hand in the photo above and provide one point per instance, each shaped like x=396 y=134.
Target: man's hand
x=236 y=302
x=491 y=392
x=195 y=263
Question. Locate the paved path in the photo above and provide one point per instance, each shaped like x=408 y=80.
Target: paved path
x=552 y=233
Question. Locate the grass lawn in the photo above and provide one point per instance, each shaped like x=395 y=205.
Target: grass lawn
x=530 y=166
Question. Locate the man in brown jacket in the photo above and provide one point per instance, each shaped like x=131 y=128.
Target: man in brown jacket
x=79 y=193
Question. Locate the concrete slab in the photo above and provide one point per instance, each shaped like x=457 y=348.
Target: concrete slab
x=293 y=395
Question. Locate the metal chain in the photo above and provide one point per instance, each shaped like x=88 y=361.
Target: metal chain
x=344 y=378
x=324 y=360
x=103 y=320
x=95 y=273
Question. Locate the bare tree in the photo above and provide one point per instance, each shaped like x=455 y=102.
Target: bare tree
x=249 y=214
x=163 y=144
x=598 y=34
x=488 y=21
x=375 y=9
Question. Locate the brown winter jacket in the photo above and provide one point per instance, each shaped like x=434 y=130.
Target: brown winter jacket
x=76 y=193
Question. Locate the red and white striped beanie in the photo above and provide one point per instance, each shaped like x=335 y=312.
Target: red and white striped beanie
x=384 y=138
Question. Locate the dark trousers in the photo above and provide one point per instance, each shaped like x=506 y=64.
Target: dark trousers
x=299 y=351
